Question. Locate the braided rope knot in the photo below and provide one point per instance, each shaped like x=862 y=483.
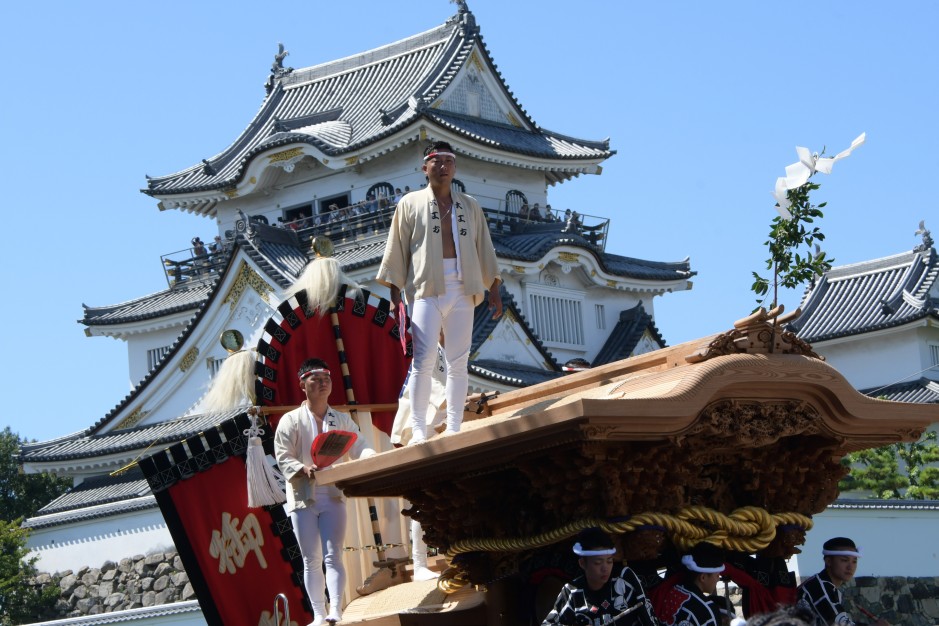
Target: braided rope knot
x=747 y=529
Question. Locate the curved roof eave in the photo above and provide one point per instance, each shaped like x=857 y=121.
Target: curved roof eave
x=895 y=323
x=558 y=167
x=436 y=57
x=174 y=350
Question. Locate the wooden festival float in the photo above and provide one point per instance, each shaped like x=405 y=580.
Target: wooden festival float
x=722 y=439
x=725 y=439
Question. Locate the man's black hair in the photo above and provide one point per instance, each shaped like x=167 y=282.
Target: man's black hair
x=839 y=543
x=438 y=146
x=594 y=539
x=312 y=364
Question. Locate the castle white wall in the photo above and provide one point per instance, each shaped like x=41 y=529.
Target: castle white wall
x=877 y=359
x=893 y=542
x=92 y=542
x=138 y=345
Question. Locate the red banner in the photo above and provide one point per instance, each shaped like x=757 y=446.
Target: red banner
x=377 y=365
x=238 y=559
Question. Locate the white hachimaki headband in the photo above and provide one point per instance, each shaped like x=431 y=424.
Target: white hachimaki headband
x=688 y=561
x=309 y=373
x=579 y=551
x=856 y=552
x=437 y=154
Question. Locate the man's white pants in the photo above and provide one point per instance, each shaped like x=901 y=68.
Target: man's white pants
x=320 y=529
x=452 y=313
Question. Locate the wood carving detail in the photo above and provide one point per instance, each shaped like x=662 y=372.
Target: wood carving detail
x=760 y=333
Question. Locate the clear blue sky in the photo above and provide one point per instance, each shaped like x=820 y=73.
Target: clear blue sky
x=704 y=102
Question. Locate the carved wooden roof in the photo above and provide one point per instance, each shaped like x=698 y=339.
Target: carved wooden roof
x=657 y=433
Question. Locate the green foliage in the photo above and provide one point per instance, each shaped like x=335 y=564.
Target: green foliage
x=879 y=470
x=21 y=495
x=790 y=247
x=20 y=601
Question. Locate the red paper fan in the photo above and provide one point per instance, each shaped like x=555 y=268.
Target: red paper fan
x=329 y=446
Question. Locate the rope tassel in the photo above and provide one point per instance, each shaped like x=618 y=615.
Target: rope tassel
x=263 y=479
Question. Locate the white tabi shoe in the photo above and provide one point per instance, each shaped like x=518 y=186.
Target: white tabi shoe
x=422 y=573
x=319 y=613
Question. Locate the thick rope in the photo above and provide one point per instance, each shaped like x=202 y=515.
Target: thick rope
x=747 y=529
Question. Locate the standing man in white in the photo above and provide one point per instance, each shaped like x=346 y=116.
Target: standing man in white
x=440 y=253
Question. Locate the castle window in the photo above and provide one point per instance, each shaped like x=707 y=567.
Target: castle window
x=156 y=355
x=557 y=315
x=380 y=190
x=214 y=365
x=514 y=201
x=600 y=311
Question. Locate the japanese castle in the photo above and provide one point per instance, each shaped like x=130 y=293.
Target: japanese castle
x=330 y=149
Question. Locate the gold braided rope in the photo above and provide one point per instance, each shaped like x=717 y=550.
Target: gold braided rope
x=747 y=529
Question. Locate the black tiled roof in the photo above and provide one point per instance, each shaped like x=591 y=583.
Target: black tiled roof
x=511 y=373
x=922 y=391
x=545 y=144
x=361 y=255
x=92 y=510
x=344 y=105
x=626 y=334
x=869 y=296
x=100 y=490
x=278 y=252
x=533 y=246
x=187 y=296
x=87 y=445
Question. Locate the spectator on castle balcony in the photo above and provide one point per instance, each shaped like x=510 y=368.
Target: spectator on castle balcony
x=398 y=195
x=216 y=246
x=200 y=255
x=524 y=213
x=215 y=253
x=535 y=214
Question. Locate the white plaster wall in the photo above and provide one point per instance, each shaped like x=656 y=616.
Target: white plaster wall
x=92 y=542
x=879 y=359
x=892 y=542
x=183 y=614
x=138 y=345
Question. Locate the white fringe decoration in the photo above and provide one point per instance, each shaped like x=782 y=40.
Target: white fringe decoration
x=321 y=280
x=263 y=479
x=233 y=386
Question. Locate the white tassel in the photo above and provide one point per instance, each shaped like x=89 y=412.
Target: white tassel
x=233 y=386
x=263 y=479
x=321 y=280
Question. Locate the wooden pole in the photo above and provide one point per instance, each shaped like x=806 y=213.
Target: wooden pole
x=353 y=408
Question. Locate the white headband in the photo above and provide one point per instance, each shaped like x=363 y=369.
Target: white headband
x=688 y=561
x=437 y=154
x=309 y=373
x=856 y=553
x=579 y=551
